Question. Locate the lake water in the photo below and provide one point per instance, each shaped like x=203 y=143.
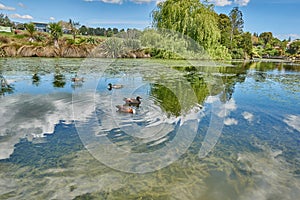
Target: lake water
x=203 y=130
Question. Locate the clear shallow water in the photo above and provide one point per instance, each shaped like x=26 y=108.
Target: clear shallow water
x=60 y=140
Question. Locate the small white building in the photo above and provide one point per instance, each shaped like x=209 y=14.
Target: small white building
x=5 y=29
x=42 y=27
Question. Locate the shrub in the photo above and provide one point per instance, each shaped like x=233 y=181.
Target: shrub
x=39 y=38
x=70 y=41
x=4 y=40
x=237 y=54
x=80 y=40
x=91 y=40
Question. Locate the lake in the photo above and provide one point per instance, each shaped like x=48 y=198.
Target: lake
x=204 y=130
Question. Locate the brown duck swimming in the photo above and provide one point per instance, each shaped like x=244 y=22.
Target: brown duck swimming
x=76 y=79
x=132 y=101
x=116 y=86
x=125 y=109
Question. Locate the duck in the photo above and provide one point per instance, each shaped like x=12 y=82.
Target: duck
x=125 y=109
x=132 y=101
x=117 y=86
x=35 y=77
x=76 y=79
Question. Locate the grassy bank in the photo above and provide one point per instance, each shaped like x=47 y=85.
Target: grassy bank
x=40 y=44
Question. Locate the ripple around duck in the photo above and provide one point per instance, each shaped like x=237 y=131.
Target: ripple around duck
x=150 y=139
x=149 y=125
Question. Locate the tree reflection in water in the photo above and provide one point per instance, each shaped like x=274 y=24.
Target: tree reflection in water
x=5 y=88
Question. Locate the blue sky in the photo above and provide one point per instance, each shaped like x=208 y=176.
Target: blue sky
x=282 y=17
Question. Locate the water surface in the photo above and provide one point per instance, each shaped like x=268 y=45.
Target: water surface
x=65 y=140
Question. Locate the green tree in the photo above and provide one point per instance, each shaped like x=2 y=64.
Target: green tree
x=91 y=31
x=255 y=39
x=30 y=28
x=246 y=44
x=224 y=25
x=266 y=37
x=237 y=23
x=5 y=21
x=83 y=30
x=294 y=47
x=191 y=18
x=56 y=32
x=283 y=46
x=115 y=31
x=109 y=32
x=74 y=29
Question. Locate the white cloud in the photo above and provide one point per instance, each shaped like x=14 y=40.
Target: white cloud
x=52 y=18
x=18 y=16
x=229 y=107
x=3 y=7
x=159 y=1
x=242 y=2
x=212 y=99
x=106 y=1
x=248 y=116
x=42 y=114
x=229 y=2
x=223 y=110
x=230 y=121
x=221 y=2
x=21 y=5
x=293 y=121
x=286 y=36
x=142 y=1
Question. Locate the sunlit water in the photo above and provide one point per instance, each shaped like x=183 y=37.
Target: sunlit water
x=65 y=140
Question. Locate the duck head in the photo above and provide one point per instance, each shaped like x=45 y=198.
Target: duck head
x=109 y=86
x=138 y=98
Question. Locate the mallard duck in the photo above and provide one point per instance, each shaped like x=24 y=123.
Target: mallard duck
x=132 y=101
x=116 y=86
x=125 y=109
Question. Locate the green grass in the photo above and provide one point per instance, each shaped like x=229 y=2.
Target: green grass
x=12 y=35
x=6 y=34
x=23 y=35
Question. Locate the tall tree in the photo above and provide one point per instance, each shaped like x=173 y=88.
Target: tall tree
x=74 y=28
x=5 y=21
x=191 y=18
x=237 y=23
x=246 y=44
x=56 y=32
x=224 y=25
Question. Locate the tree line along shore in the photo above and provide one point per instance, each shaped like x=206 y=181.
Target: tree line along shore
x=220 y=35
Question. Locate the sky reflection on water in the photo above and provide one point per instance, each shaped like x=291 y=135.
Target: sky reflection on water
x=256 y=157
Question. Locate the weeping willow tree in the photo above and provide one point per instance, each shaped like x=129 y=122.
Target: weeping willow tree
x=194 y=19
